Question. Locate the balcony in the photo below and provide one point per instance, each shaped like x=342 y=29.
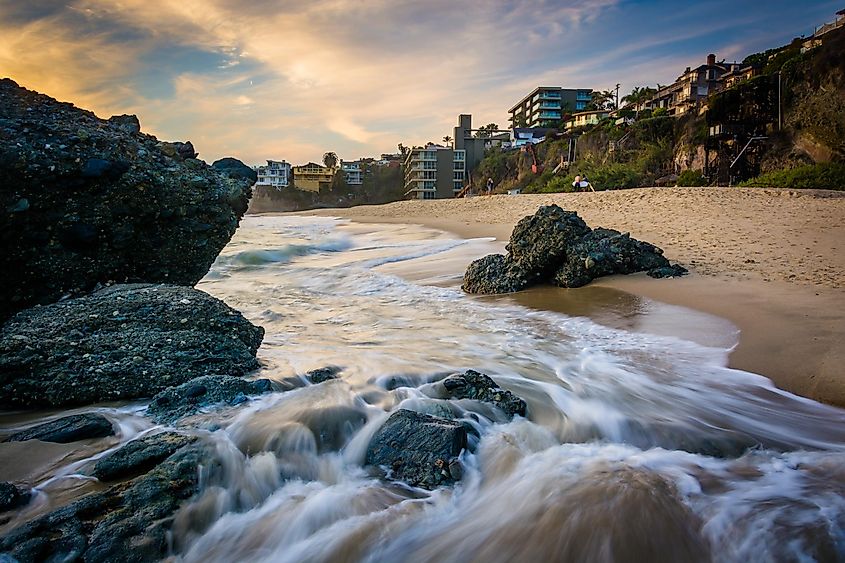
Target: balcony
x=549 y=95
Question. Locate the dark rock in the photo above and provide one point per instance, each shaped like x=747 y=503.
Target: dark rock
x=417 y=448
x=190 y=397
x=479 y=387
x=539 y=242
x=128 y=522
x=671 y=271
x=83 y=202
x=67 y=429
x=333 y=426
x=557 y=246
x=234 y=168
x=12 y=497
x=139 y=456
x=122 y=342
x=323 y=374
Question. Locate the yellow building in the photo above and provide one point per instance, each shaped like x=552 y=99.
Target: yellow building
x=313 y=177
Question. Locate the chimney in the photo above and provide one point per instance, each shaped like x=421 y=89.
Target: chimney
x=711 y=59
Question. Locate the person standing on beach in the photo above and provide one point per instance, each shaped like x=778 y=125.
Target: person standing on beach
x=489 y=186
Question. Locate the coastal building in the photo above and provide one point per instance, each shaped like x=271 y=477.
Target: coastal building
x=312 y=177
x=737 y=75
x=353 y=173
x=437 y=171
x=694 y=85
x=584 y=118
x=545 y=106
x=276 y=174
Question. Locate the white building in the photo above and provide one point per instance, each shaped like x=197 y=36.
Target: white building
x=353 y=172
x=275 y=175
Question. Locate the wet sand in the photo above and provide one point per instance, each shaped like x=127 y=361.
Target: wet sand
x=770 y=261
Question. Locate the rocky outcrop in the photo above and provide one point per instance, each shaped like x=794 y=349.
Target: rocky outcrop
x=419 y=449
x=139 y=456
x=86 y=201
x=127 y=522
x=12 y=496
x=67 y=429
x=556 y=246
x=234 y=168
x=123 y=342
x=479 y=387
x=188 y=398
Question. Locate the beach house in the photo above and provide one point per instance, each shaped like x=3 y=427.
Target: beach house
x=353 y=172
x=692 y=86
x=276 y=174
x=584 y=118
x=545 y=106
x=312 y=177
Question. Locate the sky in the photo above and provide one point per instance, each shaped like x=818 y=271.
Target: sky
x=278 y=79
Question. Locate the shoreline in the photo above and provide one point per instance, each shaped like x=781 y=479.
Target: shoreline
x=791 y=330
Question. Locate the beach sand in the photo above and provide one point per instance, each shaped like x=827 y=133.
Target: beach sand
x=770 y=261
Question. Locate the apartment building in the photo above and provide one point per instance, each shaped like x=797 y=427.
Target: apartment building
x=353 y=172
x=312 y=177
x=276 y=174
x=438 y=171
x=545 y=106
x=694 y=85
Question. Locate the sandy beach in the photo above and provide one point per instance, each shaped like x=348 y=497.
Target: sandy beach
x=770 y=261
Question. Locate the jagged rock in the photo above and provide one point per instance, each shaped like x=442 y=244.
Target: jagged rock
x=557 y=246
x=418 y=448
x=188 y=398
x=67 y=429
x=128 y=522
x=494 y=273
x=323 y=374
x=539 y=242
x=12 y=496
x=122 y=342
x=670 y=271
x=477 y=386
x=234 y=168
x=138 y=456
x=87 y=201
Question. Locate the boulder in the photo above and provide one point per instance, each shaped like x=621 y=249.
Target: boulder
x=419 y=449
x=139 y=456
x=234 y=168
x=479 y=387
x=12 y=496
x=122 y=342
x=188 y=398
x=86 y=201
x=556 y=246
x=67 y=429
x=128 y=522
x=320 y=375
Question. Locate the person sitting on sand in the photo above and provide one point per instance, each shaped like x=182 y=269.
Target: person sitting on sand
x=582 y=183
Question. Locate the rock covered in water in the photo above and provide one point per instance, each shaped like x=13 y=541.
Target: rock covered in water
x=188 y=398
x=234 y=168
x=67 y=429
x=419 y=449
x=128 y=522
x=140 y=455
x=480 y=387
x=557 y=246
x=87 y=201
x=122 y=342
x=12 y=496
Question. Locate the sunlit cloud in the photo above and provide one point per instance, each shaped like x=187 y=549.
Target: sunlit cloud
x=283 y=79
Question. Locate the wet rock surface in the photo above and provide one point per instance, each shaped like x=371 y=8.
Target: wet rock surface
x=87 y=201
x=67 y=429
x=419 y=449
x=188 y=398
x=12 y=496
x=128 y=522
x=140 y=455
x=556 y=246
x=480 y=387
x=123 y=342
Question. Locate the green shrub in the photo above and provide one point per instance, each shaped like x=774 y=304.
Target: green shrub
x=660 y=112
x=828 y=175
x=691 y=178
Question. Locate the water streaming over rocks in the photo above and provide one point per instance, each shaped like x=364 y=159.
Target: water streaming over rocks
x=636 y=445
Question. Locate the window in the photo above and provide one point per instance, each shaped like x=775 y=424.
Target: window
x=458 y=166
x=460 y=155
x=458 y=186
x=458 y=176
x=429 y=195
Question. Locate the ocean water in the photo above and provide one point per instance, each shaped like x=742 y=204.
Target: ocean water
x=639 y=444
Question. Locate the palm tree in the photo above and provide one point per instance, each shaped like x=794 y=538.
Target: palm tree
x=330 y=159
x=639 y=96
x=447 y=139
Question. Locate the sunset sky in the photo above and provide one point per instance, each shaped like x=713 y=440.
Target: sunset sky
x=292 y=80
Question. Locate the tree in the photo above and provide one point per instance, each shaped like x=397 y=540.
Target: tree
x=487 y=130
x=403 y=150
x=330 y=159
x=447 y=139
x=639 y=96
x=520 y=121
x=601 y=100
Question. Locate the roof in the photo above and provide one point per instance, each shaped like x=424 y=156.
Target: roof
x=591 y=112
